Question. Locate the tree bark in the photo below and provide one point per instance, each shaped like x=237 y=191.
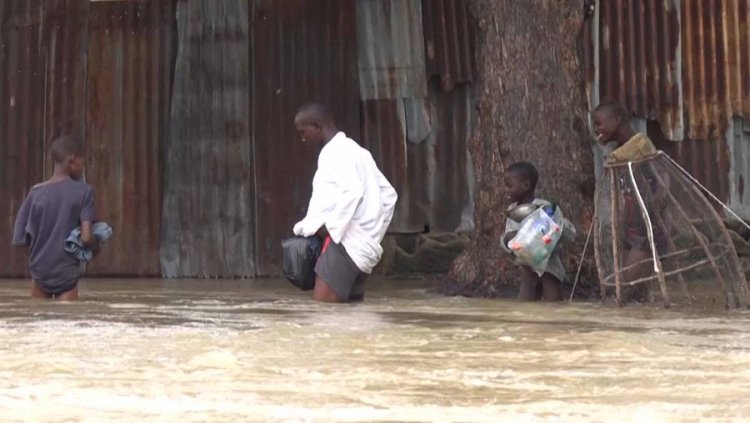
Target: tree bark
x=531 y=106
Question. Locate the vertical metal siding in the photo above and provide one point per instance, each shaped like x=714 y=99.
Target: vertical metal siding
x=448 y=41
x=715 y=72
x=302 y=51
x=639 y=50
x=235 y=176
x=384 y=134
x=685 y=66
x=430 y=175
x=391 y=57
x=41 y=97
x=129 y=75
x=65 y=30
x=208 y=219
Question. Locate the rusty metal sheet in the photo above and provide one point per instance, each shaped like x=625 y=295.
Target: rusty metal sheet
x=303 y=51
x=685 y=67
x=21 y=117
x=427 y=162
x=223 y=146
x=41 y=68
x=431 y=174
x=391 y=57
x=685 y=64
x=384 y=134
x=739 y=153
x=129 y=74
x=452 y=114
x=715 y=65
x=65 y=30
x=639 y=59
x=709 y=162
x=449 y=43
x=208 y=217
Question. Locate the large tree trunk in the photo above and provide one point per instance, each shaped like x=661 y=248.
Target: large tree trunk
x=531 y=107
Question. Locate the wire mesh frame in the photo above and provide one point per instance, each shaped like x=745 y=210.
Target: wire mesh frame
x=713 y=252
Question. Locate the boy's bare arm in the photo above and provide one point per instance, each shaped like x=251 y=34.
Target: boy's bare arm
x=87 y=236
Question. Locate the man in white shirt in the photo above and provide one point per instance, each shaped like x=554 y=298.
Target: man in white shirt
x=351 y=207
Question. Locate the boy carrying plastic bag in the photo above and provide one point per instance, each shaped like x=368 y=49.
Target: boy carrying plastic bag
x=533 y=231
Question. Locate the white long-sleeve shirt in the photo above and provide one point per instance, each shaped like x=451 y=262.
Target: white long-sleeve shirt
x=353 y=199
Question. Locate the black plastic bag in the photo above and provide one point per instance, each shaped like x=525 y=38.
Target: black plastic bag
x=300 y=256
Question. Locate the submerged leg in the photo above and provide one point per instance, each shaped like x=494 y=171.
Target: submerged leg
x=70 y=295
x=614 y=207
x=638 y=292
x=323 y=292
x=551 y=288
x=37 y=292
x=529 y=289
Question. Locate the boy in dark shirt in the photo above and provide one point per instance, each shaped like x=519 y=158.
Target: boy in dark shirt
x=46 y=218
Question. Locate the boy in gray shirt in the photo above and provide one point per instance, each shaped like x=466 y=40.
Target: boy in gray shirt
x=46 y=218
x=520 y=187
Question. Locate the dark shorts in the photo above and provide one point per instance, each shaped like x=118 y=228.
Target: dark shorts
x=57 y=287
x=338 y=270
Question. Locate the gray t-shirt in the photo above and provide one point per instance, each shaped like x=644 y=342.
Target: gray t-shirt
x=46 y=218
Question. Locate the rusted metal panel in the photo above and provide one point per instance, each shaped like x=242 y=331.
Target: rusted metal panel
x=639 y=59
x=685 y=67
x=21 y=117
x=739 y=153
x=66 y=23
x=129 y=74
x=420 y=143
x=452 y=116
x=384 y=134
x=449 y=43
x=235 y=175
x=716 y=65
x=208 y=218
x=391 y=56
x=41 y=68
x=302 y=51
x=430 y=173
x=685 y=64
x=709 y=162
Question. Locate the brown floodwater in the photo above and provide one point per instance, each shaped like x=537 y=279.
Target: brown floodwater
x=196 y=351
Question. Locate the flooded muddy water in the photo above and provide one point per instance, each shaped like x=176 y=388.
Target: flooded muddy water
x=195 y=351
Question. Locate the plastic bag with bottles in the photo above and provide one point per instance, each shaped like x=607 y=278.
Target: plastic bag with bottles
x=537 y=238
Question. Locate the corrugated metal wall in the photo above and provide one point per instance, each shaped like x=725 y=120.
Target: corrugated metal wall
x=684 y=64
x=715 y=65
x=448 y=42
x=66 y=38
x=302 y=51
x=41 y=96
x=208 y=219
x=187 y=108
x=419 y=139
x=129 y=79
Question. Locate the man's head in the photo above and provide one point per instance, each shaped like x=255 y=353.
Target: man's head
x=67 y=152
x=610 y=117
x=520 y=181
x=314 y=124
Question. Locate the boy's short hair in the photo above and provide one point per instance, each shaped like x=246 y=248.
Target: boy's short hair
x=64 y=146
x=614 y=107
x=316 y=111
x=527 y=171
